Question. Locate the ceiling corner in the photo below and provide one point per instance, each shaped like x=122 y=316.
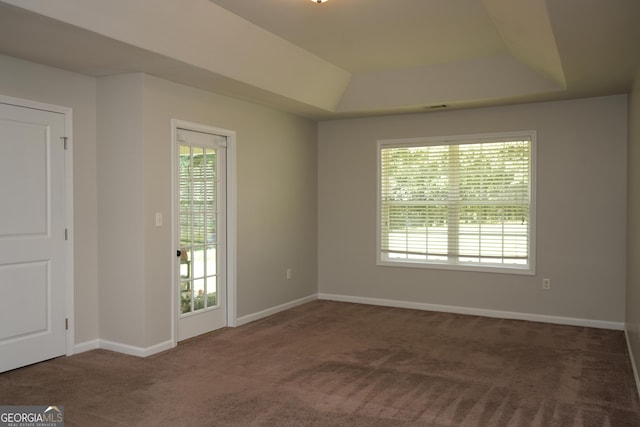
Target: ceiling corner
x=526 y=30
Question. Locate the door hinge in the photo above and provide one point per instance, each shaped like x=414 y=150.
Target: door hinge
x=66 y=234
x=66 y=324
x=64 y=140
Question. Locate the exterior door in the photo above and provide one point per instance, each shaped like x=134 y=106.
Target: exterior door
x=32 y=236
x=202 y=233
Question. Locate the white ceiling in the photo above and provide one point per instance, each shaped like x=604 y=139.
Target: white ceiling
x=344 y=57
x=371 y=35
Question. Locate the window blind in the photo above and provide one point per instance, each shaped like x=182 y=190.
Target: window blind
x=455 y=203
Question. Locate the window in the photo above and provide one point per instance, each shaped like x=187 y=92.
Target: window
x=463 y=202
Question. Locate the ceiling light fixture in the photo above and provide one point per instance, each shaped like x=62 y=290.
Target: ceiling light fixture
x=318 y=1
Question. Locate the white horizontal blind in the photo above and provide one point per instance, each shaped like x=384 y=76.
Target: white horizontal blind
x=456 y=203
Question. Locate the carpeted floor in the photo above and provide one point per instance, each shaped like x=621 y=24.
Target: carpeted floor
x=337 y=364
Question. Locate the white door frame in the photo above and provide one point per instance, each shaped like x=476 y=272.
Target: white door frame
x=68 y=188
x=231 y=218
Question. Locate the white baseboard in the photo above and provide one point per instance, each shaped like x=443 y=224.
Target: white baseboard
x=133 y=350
x=121 y=348
x=633 y=361
x=273 y=310
x=601 y=324
x=86 y=346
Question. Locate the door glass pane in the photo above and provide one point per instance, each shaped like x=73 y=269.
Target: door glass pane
x=212 y=294
x=198 y=223
x=185 y=227
x=197 y=263
x=198 y=228
x=211 y=228
x=211 y=260
x=185 y=296
x=185 y=264
x=198 y=294
x=184 y=171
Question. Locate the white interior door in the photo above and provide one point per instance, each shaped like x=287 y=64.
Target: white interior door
x=202 y=233
x=32 y=236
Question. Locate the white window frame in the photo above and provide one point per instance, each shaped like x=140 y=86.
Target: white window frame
x=529 y=269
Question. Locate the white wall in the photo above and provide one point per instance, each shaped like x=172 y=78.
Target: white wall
x=581 y=211
x=36 y=82
x=633 y=224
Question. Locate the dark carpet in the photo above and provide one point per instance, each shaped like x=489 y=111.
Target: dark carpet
x=338 y=364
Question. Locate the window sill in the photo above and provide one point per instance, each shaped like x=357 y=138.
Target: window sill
x=490 y=268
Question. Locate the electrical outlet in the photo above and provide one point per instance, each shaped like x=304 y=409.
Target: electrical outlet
x=289 y=274
x=546 y=283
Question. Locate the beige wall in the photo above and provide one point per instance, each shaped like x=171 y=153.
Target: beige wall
x=121 y=239
x=276 y=194
x=35 y=82
x=276 y=197
x=581 y=211
x=633 y=224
